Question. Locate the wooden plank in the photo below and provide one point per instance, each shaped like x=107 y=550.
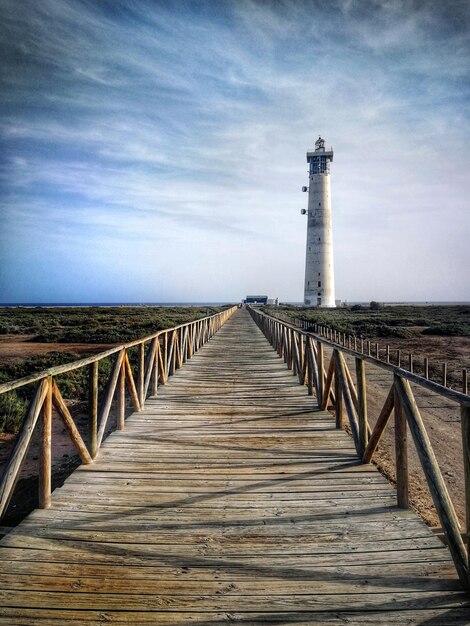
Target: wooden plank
x=228 y=602
x=185 y=586
x=441 y=616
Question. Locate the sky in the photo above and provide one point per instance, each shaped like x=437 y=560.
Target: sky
x=155 y=151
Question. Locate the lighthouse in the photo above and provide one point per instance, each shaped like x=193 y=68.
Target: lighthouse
x=319 y=275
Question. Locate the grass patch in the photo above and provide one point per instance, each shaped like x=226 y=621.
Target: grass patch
x=12 y=410
x=387 y=321
x=95 y=324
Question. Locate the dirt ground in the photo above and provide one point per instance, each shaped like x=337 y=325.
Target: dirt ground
x=14 y=348
x=455 y=351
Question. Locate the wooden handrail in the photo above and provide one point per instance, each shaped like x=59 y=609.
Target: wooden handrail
x=451 y=394
x=297 y=347
x=74 y=365
x=163 y=358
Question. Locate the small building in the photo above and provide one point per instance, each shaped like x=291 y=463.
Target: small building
x=256 y=300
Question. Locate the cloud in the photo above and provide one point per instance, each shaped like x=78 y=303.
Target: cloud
x=185 y=126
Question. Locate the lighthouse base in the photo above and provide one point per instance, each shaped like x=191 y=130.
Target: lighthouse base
x=321 y=302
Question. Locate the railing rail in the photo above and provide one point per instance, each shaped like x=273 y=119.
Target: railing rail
x=381 y=353
x=167 y=350
x=333 y=385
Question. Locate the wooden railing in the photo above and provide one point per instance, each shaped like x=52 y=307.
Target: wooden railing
x=333 y=385
x=159 y=355
x=381 y=352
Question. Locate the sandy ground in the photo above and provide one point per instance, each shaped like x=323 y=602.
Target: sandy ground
x=455 y=351
x=14 y=348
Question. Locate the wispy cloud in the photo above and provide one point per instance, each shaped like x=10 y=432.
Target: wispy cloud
x=184 y=126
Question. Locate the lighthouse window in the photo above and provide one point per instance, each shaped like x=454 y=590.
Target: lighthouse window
x=319 y=165
x=319 y=283
x=319 y=293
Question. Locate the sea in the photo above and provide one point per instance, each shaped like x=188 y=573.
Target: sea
x=217 y=303
x=85 y=304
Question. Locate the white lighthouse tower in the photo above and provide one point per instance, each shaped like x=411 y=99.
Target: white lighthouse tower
x=319 y=275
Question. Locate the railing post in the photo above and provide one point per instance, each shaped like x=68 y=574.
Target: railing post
x=186 y=345
x=174 y=341
x=338 y=395
x=321 y=374
x=141 y=377
x=289 y=348
x=362 y=404
x=165 y=354
x=121 y=399
x=401 y=452
x=465 y=423
x=304 y=359
x=155 y=368
x=45 y=464
x=309 y=356
x=93 y=409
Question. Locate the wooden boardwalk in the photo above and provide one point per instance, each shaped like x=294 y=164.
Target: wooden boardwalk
x=228 y=499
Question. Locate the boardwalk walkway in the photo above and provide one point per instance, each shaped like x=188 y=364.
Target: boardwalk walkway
x=228 y=500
